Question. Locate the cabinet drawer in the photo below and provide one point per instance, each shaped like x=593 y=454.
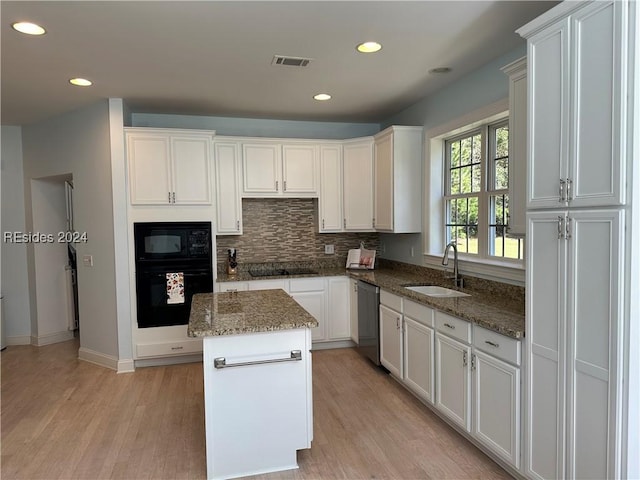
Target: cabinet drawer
x=390 y=300
x=454 y=327
x=164 y=349
x=306 y=284
x=419 y=313
x=501 y=346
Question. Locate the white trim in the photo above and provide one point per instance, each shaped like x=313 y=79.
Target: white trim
x=161 y=361
x=19 y=340
x=126 y=366
x=487 y=269
x=97 y=358
x=332 y=344
x=550 y=16
x=49 y=338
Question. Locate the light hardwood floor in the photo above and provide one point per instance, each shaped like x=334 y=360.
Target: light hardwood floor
x=62 y=418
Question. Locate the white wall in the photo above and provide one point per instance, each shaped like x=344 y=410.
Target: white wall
x=79 y=143
x=50 y=258
x=14 y=284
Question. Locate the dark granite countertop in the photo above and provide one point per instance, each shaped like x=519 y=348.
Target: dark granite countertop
x=246 y=276
x=245 y=312
x=491 y=310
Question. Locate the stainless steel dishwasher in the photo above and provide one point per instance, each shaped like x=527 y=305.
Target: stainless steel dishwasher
x=368 y=321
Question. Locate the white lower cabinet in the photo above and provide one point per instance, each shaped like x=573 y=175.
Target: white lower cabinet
x=496 y=406
x=419 y=349
x=391 y=333
x=338 y=308
x=314 y=303
x=453 y=380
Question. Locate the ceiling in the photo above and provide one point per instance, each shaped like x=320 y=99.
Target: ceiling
x=214 y=58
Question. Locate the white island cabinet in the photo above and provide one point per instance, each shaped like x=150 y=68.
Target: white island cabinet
x=257 y=380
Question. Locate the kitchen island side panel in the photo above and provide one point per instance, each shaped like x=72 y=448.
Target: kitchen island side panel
x=257 y=416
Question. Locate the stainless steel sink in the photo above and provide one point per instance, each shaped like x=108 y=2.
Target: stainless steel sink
x=435 y=291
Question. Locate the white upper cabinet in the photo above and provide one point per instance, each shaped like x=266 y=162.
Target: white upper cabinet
x=517 y=72
x=227 y=182
x=330 y=216
x=261 y=168
x=271 y=168
x=169 y=167
x=577 y=127
x=358 y=185
x=398 y=180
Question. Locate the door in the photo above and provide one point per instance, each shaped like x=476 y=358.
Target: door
x=358 y=186
x=261 y=168
x=330 y=200
x=391 y=340
x=383 y=179
x=190 y=167
x=418 y=358
x=314 y=303
x=453 y=380
x=598 y=41
x=548 y=76
x=300 y=169
x=545 y=345
x=228 y=204
x=149 y=169
x=496 y=411
x=594 y=317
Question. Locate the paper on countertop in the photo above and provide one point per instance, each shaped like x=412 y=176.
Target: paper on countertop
x=361 y=258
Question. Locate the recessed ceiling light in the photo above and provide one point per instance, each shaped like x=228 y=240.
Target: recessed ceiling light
x=80 y=82
x=369 y=47
x=28 y=28
x=322 y=96
x=440 y=70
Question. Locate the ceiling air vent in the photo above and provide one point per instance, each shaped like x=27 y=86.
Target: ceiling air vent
x=290 y=61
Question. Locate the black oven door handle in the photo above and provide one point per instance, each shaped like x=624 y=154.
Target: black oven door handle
x=186 y=274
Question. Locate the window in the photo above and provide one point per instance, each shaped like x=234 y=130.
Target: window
x=477 y=193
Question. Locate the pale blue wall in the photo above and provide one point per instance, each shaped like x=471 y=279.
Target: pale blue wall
x=257 y=127
x=480 y=88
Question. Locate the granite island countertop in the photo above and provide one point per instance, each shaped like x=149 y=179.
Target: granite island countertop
x=491 y=310
x=232 y=313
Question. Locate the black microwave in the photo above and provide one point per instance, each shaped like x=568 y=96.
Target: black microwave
x=172 y=240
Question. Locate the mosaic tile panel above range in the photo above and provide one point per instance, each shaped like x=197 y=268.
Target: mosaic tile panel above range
x=286 y=230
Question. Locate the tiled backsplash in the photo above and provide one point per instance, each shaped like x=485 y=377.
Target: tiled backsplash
x=286 y=230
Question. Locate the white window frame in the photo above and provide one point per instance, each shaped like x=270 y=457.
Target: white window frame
x=433 y=237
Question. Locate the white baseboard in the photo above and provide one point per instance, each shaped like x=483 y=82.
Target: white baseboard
x=50 y=338
x=97 y=358
x=19 y=340
x=332 y=344
x=126 y=366
x=160 y=361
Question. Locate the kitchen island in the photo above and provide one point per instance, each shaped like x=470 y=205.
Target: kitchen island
x=257 y=380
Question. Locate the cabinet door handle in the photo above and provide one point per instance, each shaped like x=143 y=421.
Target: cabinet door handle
x=221 y=362
x=448 y=325
x=169 y=197
x=177 y=348
x=323 y=223
x=238 y=225
x=284 y=186
x=473 y=362
x=464 y=358
x=276 y=185
x=174 y=197
x=398 y=323
x=373 y=223
x=344 y=222
x=488 y=342
x=567 y=225
x=561 y=191
x=568 y=188
x=560 y=227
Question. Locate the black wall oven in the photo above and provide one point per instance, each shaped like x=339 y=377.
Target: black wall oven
x=173 y=261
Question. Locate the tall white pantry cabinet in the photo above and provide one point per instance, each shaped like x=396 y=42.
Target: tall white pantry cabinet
x=580 y=72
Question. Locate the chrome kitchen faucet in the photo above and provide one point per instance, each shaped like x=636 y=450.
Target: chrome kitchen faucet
x=457 y=280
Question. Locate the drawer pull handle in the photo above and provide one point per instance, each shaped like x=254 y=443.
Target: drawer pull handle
x=177 y=348
x=488 y=342
x=449 y=326
x=221 y=362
